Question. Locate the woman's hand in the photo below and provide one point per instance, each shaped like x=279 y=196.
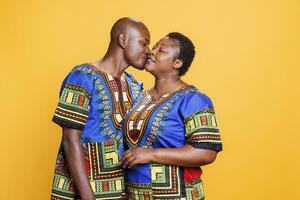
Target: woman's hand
x=137 y=156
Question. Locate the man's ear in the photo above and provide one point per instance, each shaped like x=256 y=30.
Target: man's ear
x=177 y=64
x=122 y=40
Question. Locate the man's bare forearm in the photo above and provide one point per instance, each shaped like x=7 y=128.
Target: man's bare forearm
x=75 y=159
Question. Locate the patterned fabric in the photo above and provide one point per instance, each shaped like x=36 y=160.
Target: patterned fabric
x=201 y=129
x=105 y=175
x=73 y=106
x=173 y=120
x=96 y=103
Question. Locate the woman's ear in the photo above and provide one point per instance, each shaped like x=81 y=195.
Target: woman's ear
x=122 y=40
x=177 y=64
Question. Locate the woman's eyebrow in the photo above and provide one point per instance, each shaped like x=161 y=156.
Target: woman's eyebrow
x=162 y=44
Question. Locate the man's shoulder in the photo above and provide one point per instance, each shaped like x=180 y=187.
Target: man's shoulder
x=82 y=68
x=130 y=77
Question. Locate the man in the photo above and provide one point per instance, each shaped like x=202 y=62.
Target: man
x=94 y=99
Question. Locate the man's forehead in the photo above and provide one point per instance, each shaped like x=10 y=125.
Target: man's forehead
x=142 y=34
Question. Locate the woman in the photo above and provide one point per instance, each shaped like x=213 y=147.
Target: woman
x=171 y=130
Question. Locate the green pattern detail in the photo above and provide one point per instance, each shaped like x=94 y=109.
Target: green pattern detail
x=66 y=184
x=193 y=122
x=112 y=161
x=158 y=173
x=194 y=191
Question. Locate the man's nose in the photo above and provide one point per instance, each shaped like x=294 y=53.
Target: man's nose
x=147 y=50
x=150 y=53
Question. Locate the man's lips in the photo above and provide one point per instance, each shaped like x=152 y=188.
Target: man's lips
x=149 y=59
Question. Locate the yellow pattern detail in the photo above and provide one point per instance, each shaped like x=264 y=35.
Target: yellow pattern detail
x=118 y=184
x=114 y=156
x=154 y=171
x=70 y=97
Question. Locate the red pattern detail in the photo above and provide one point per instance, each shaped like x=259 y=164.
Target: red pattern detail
x=81 y=100
x=109 y=143
x=87 y=164
x=192 y=173
x=105 y=186
x=203 y=120
x=134 y=135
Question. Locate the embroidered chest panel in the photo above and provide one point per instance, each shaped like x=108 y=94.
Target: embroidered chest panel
x=112 y=99
x=121 y=97
x=148 y=118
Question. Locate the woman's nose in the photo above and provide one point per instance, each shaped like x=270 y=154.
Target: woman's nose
x=152 y=52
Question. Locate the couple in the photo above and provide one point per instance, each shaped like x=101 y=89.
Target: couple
x=117 y=135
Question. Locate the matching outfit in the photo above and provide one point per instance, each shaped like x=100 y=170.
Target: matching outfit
x=96 y=103
x=183 y=117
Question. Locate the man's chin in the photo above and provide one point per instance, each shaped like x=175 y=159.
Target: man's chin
x=139 y=67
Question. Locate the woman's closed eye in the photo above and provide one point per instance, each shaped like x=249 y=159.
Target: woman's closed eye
x=163 y=50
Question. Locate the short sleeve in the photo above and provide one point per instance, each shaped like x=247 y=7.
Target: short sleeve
x=201 y=129
x=75 y=96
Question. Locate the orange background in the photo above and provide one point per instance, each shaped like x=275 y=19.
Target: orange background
x=247 y=61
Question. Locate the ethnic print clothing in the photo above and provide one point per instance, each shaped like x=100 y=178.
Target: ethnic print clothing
x=96 y=103
x=173 y=120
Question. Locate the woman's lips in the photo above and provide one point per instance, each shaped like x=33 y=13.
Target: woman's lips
x=150 y=60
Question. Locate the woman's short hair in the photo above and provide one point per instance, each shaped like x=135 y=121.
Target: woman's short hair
x=186 y=51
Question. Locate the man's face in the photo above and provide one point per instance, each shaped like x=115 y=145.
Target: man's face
x=137 y=47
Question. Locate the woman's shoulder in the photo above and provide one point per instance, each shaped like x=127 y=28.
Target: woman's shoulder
x=196 y=97
x=194 y=101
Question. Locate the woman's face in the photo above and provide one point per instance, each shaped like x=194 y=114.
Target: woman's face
x=162 y=57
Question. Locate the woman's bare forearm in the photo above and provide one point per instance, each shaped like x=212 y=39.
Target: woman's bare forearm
x=186 y=156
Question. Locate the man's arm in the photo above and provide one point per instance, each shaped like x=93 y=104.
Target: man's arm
x=75 y=159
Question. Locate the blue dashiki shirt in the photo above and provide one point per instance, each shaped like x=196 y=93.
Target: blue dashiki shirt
x=183 y=117
x=96 y=103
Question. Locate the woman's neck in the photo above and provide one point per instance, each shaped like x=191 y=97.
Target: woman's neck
x=164 y=85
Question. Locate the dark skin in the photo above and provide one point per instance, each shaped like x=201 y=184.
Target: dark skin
x=163 y=64
x=75 y=159
x=129 y=46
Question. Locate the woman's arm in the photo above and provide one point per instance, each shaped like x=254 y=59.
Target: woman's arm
x=75 y=159
x=186 y=156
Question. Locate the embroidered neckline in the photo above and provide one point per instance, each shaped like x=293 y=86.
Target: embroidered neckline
x=94 y=67
x=167 y=94
x=120 y=92
x=137 y=120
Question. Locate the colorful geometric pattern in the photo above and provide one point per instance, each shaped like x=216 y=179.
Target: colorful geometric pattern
x=161 y=116
x=105 y=173
x=73 y=106
x=166 y=182
x=137 y=120
x=170 y=124
x=90 y=98
x=194 y=190
x=139 y=191
x=201 y=127
x=106 y=103
x=122 y=100
x=104 y=159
